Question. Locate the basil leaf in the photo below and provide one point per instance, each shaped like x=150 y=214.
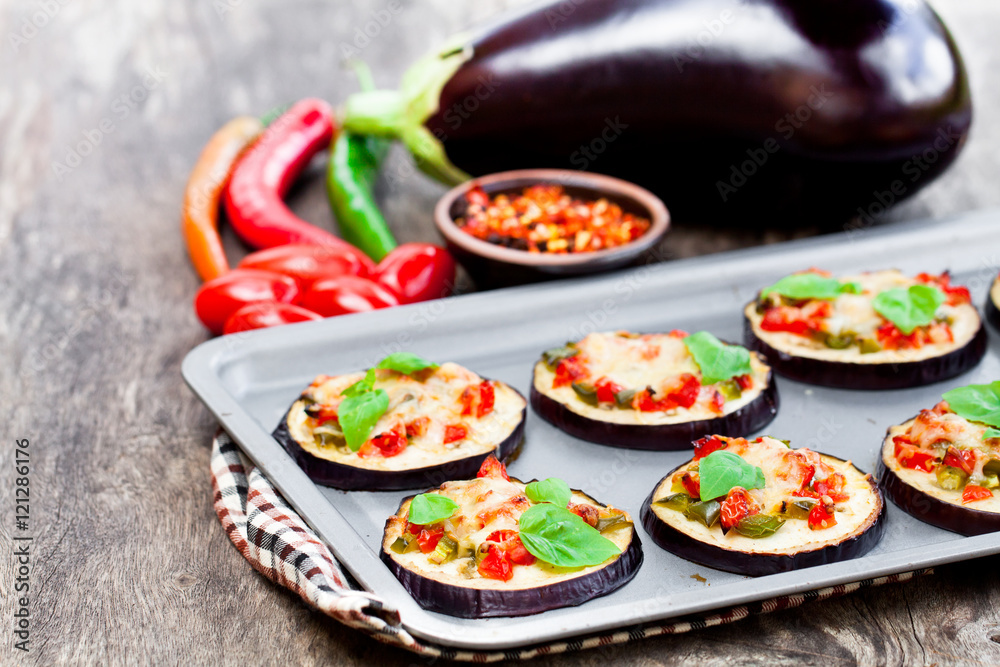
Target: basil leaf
x=361 y=386
x=717 y=360
x=977 y=402
x=991 y=433
x=358 y=414
x=552 y=490
x=559 y=537
x=810 y=286
x=909 y=308
x=405 y=363
x=428 y=508
x=720 y=471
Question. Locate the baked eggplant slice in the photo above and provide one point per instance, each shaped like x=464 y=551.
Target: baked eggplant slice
x=758 y=507
x=494 y=546
x=991 y=309
x=438 y=423
x=944 y=468
x=653 y=391
x=877 y=330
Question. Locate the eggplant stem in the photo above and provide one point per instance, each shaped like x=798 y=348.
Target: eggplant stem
x=378 y=113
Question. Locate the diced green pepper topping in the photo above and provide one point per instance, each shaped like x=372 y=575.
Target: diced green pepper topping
x=586 y=392
x=446 y=549
x=623 y=399
x=869 y=346
x=553 y=356
x=840 y=341
x=730 y=390
x=758 y=525
x=992 y=467
x=798 y=508
x=610 y=522
x=707 y=512
x=951 y=479
x=675 y=501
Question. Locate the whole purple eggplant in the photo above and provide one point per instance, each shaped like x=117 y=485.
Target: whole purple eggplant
x=750 y=112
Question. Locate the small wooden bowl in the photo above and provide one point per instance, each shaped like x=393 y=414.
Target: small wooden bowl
x=492 y=265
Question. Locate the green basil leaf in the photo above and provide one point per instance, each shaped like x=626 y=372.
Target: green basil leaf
x=405 y=363
x=991 y=433
x=552 y=490
x=810 y=286
x=720 y=471
x=559 y=537
x=358 y=414
x=717 y=360
x=977 y=403
x=428 y=508
x=909 y=308
x=361 y=386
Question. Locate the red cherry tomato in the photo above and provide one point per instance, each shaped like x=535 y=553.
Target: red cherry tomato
x=417 y=272
x=347 y=294
x=267 y=314
x=218 y=299
x=309 y=263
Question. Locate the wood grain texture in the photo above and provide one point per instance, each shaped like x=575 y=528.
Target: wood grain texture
x=95 y=318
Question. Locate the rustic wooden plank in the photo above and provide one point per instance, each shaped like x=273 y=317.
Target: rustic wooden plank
x=96 y=318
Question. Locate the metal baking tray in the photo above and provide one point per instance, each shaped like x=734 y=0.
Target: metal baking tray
x=248 y=381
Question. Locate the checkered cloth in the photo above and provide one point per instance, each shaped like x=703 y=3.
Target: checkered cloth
x=281 y=546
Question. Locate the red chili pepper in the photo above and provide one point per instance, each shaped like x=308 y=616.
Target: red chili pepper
x=417 y=272
x=263 y=175
x=347 y=294
x=267 y=314
x=218 y=299
x=973 y=493
x=309 y=263
x=493 y=468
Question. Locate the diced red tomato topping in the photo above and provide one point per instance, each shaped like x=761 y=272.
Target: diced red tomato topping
x=586 y=512
x=800 y=321
x=496 y=565
x=963 y=459
x=835 y=486
x=744 y=382
x=718 y=402
x=606 y=390
x=493 y=468
x=737 y=505
x=569 y=371
x=428 y=539
x=820 y=517
x=385 y=444
x=973 y=493
x=326 y=413
x=455 y=432
x=911 y=456
x=706 y=446
x=517 y=553
x=956 y=294
x=678 y=333
x=692 y=484
x=478 y=399
x=687 y=394
x=417 y=426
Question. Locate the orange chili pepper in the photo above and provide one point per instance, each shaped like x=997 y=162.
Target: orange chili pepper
x=200 y=214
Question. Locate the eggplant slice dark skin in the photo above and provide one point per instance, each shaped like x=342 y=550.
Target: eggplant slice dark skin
x=848 y=375
x=661 y=437
x=466 y=602
x=755 y=565
x=990 y=310
x=927 y=508
x=752 y=113
x=351 y=478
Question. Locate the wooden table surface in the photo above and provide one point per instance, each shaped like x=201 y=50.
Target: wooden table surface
x=131 y=565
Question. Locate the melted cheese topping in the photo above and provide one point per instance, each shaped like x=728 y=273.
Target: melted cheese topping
x=854 y=516
x=482 y=497
x=635 y=362
x=955 y=431
x=855 y=313
x=437 y=397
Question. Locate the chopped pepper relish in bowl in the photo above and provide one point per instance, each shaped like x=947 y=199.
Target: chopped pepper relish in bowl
x=529 y=225
x=544 y=218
